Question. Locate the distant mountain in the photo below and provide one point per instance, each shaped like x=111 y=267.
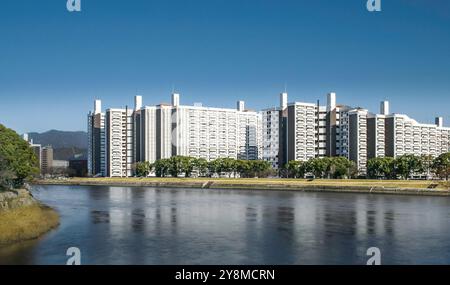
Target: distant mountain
x=65 y=144
x=60 y=139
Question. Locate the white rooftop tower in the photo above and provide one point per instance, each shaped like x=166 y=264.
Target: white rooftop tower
x=283 y=100
x=98 y=106
x=175 y=99
x=440 y=122
x=137 y=102
x=384 y=108
x=331 y=101
x=240 y=106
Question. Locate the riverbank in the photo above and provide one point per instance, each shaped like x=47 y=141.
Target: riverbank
x=23 y=218
x=436 y=188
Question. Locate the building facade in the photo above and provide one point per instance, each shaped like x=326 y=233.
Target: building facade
x=119 y=138
x=302 y=127
x=46 y=160
x=119 y=142
x=298 y=131
x=96 y=141
x=406 y=136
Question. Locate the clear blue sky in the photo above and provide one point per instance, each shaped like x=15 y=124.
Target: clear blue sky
x=53 y=63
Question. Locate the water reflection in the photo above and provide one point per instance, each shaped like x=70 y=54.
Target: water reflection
x=120 y=225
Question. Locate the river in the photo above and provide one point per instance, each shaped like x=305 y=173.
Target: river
x=133 y=225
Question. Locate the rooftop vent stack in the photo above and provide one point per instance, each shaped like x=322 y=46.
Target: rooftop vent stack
x=137 y=102
x=384 y=108
x=331 y=101
x=283 y=100
x=97 y=106
x=175 y=99
x=440 y=122
x=240 y=106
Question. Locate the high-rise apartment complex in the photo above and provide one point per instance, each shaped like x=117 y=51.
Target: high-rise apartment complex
x=406 y=136
x=298 y=131
x=119 y=129
x=155 y=132
x=355 y=133
x=274 y=133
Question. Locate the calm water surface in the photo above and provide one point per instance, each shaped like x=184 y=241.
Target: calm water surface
x=121 y=225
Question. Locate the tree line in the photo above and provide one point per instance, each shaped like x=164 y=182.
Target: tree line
x=326 y=167
x=403 y=167
x=406 y=166
x=188 y=166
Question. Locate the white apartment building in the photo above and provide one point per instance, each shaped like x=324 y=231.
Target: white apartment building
x=376 y=132
x=357 y=139
x=121 y=137
x=406 y=136
x=297 y=131
x=273 y=139
x=376 y=135
x=271 y=136
x=119 y=142
x=302 y=131
x=321 y=126
x=197 y=131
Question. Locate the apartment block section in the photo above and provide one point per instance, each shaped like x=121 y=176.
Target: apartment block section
x=376 y=136
x=357 y=138
x=271 y=136
x=301 y=131
x=406 y=136
x=321 y=128
x=96 y=141
x=212 y=133
x=274 y=122
x=173 y=129
x=119 y=142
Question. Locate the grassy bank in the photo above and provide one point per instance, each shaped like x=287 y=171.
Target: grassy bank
x=364 y=186
x=26 y=223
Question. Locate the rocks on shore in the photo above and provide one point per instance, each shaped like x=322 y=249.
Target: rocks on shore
x=14 y=199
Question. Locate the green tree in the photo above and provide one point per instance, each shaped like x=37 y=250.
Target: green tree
x=143 y=168
x=214 y=167
x=441 y=166
x=260 y=168
x=320 y=166
x=187 y=165
x=340 y=167
x=201 y=165
x=427 y=164
x=162 y=167
x=380 y=167
x=175 y=166
x=227 y=165
x=297 y=169
x=18 y=162
x=244 y=168
x=408 y=164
